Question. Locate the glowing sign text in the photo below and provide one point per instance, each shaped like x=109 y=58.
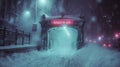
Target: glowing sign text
x=62 y=21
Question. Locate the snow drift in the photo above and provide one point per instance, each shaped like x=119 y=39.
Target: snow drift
x=88 y=56
x=94 y=56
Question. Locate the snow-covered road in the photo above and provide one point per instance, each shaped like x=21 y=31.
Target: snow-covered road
x=89 y=56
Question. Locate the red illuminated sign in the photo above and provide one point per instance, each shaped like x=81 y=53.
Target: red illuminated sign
x=62 y=21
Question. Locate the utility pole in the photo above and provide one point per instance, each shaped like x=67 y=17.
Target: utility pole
x=34 y=28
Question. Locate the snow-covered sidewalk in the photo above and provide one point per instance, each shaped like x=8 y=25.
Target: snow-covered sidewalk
x=88 y=56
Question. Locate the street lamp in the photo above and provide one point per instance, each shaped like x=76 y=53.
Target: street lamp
x=34 y=27
x=26 y=14
x=42 y=1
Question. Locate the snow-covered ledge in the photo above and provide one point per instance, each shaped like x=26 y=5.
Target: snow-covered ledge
x=17 y=46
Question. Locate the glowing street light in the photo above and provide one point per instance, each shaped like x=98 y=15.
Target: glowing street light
x=26 y=13
x=99 y=38
x=104 y=45
x=116 y=35
x=109 y=45
x=43 y=2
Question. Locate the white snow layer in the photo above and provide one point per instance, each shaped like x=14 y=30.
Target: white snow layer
x=88 y=56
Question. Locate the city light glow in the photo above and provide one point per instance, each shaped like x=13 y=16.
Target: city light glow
x=99 y=38
x=109 y=45
x=116 y=35
x=26 y=14
x=42 y=1
x=104 y=45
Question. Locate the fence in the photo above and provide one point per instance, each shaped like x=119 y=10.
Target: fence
x=13 y=37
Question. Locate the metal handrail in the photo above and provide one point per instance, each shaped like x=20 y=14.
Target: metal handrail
x=12 y=37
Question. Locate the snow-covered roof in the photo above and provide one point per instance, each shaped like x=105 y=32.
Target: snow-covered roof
x=66 y=16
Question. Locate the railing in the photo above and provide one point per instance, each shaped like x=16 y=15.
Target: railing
x=13 y=37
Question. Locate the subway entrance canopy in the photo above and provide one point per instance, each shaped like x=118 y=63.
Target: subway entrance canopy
x=76 y=23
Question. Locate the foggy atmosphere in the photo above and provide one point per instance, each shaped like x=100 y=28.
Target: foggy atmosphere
x=59 y=33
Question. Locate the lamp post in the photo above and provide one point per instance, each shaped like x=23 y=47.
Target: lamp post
x=34 y=27
x=42 y=2
x=36 y=11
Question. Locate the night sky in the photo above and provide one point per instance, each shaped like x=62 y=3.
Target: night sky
x=112 y=9
x=107 y=12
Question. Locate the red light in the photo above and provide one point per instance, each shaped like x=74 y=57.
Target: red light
x=109 y=45
x=62 y=21
x=116 y=35
x=104 y=45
